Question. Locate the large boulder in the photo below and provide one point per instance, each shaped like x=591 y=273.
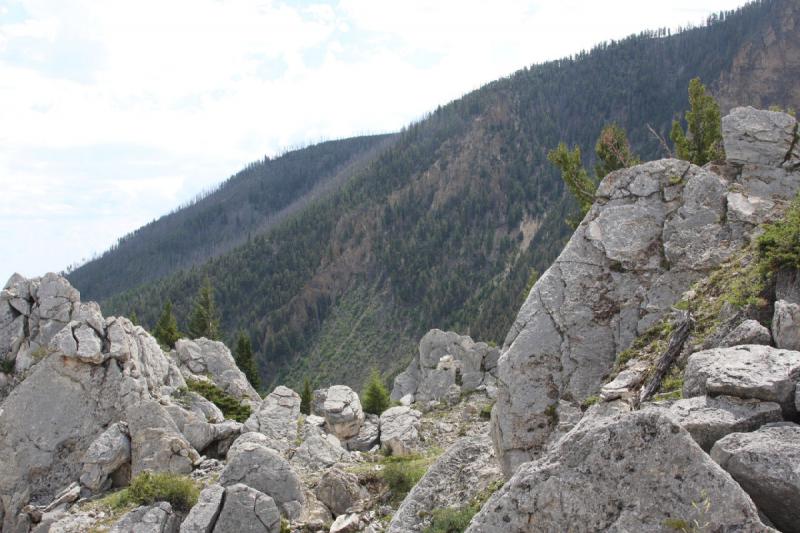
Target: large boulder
x=749 y=371
x=339 y=491
x=465 y=470
x=109 y=451
x=709 y=419
x=368 y=436
x=342 y=411
x=786 y=325
x=247 y=510
x=276 y=416
x=758 y=137
x=653 y=230
x=201 y=357
x=748 y=332
x=156 y=442
x=632 y=472
x=204 y=514
x=766 y=463
x=319 y=452
x=400 y=430
x=156 y=518
x=252 y=463
x=446 y=359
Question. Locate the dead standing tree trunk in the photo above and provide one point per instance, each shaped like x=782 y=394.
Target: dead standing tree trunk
x=676 y=341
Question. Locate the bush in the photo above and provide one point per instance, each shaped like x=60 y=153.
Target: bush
x=486 y=411
x=375 y=398
x=402 y=473
x=148 y=488
x=230 y=406
x=452 y=519
x=779 y=246
x=7 y=366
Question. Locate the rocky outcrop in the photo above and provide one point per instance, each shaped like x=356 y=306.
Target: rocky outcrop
x=654 y=229
x=749 y=371
x=341 y=409
x=766 y=463
x=709 y=419
x=630 y=472
x=446 y=360
x=400 y=430
x=465 y=470
x=200 y=357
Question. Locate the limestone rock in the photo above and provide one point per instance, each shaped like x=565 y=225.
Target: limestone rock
x=156 y=518
x=276 y=416
x=400 y=430
x=339 y=491
x=252 y=463
x=766 y=463
x=319 y=452
x=748 y=332
x=109 y=451
x=156 y=442
x=629 y=472
x=786 y=325
x=757 y=137
x=461 y=473
x=709 y=419
x=346 y=523
x=368 y=436
x=342 y=412
x=203 y=516
x=749 y=371
x=624 y=384
x=202 y=356
x=248 y=510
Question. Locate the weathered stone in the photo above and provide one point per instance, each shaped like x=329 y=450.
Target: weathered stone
x=629 y=472
x=200 y=406
x=202 y=356
x=109 y=451
x=203 y=516
x=156 y=442
x=194 y=427
x=464 y=471
x=709 y=419
x=625 y=383
x=156 y=518
x=251 y=462
x=346 y=523
x=400 y=430
x=786 y=325
x=749 y=371
x=368 y=436
x=342 y=412
x=276 y=416
x=339 y=491
x=319 y=452
x=748 y=332
x=757 y=137
x=248 y=510
x=766 y=463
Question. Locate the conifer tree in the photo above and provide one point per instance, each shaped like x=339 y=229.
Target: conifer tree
x=375 y=398
x=134 y=318
x=204 y=320
x=613 y=151
x=575 y=177
x=166 y=330
x=243 y=355
x=702 y=141
x=305 y=398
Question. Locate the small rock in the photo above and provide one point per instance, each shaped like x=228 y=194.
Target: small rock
x=748 y=332
x=346 y=523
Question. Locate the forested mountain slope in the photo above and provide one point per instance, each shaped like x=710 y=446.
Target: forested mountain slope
x=443 y=227
x=248 y=203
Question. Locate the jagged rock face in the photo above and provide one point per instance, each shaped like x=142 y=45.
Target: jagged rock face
x=458 y=476
x=766 y=463
x=630 y=472
x=446 y=359
x=202 y=356
x=653 y=230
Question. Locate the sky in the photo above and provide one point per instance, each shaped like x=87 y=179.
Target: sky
x=113 y=113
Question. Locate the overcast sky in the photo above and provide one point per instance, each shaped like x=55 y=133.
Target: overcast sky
x=114 y=112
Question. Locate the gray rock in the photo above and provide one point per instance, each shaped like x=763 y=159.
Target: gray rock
x=252 y=463
x=368 y=436
x=709 y=419
x=156 y=518
x=787 y=285
x=757 y=137
x=342 y=412
x=109 y=451
x=400 y=430
x=318 y=402
x=203 y=516
x=749 y=371
x=247 y=510
x=459 y=475
x=346 y=523
x=319 y=452
x=748 y=332
x=201 y=357
x=629 y=472
x=339 y=491
x=786 y=325
x=766 y=463
x=276 y=416
x=626 y=382
x=156 y=442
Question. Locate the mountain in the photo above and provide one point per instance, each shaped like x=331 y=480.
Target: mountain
x=447 y=224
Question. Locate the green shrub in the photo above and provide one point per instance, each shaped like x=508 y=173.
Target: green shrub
x=375 y=398
x=148 y=488
x=486 y=411
x=452 y=519
x=589 y=401
x=779 y=246
x=6 y=366
x=402 y=473
x=230 y=406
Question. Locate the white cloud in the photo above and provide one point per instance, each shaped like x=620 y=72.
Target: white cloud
x=114 y=112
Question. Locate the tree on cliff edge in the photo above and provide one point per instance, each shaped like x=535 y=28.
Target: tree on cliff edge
x=702 y=140
x=243 y=355
x=204 y=320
